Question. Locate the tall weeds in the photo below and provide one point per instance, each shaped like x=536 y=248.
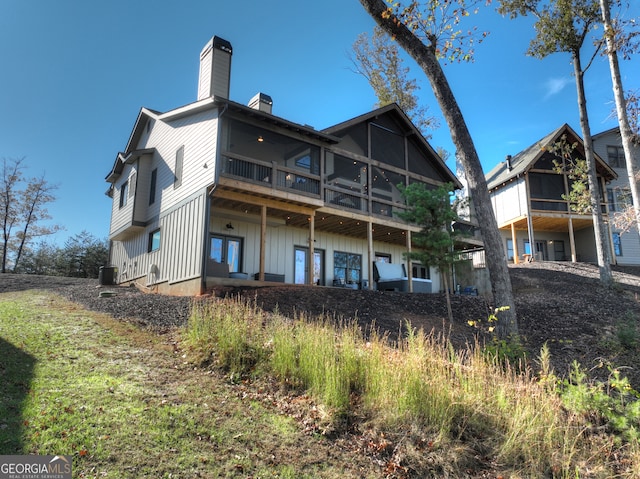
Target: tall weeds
x=457 y=398
x=228 y=333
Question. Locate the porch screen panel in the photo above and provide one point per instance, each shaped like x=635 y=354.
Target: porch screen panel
x=421 y=163
x=387 y=146
x=260 y=144
x=350 y=176
x=546 y=192
x=384 y=185
x=354 y=139
x=547 y=162
x=385 y=192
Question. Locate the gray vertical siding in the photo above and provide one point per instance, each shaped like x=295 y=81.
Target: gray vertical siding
x=180 y=255
x=178 y=212
x=281 y=241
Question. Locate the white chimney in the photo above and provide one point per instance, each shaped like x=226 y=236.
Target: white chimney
x=261 y=102
x=215 y=69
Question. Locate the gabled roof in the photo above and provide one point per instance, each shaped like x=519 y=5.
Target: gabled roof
x=615 y=129
x=122 y=159
x=394 y=109
x=143 y=116
x=278 y=121
x=521 y=163
x=202 y=105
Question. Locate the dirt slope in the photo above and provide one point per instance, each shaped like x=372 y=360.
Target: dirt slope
x=562 y=304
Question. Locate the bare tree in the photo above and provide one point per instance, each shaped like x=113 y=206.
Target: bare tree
x=563 y=26
x=378 y=60
x=616 y=40
x=428 y=32
x=22 y=209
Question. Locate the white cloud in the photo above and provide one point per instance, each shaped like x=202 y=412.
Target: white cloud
x=553 y=86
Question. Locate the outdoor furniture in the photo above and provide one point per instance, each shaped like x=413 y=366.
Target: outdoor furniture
x=392 y=277
x=470 y=291
x=219 y=270
x=274 y=278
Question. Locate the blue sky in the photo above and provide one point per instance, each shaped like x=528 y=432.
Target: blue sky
x=76 y=73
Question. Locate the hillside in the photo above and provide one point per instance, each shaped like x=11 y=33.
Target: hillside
x=561 y=304
x=558 y=303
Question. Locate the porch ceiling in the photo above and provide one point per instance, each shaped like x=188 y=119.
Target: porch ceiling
x=297 y=212
x=550 y=223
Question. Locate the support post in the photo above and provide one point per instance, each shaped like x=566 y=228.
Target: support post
x=409 y=268
x=572 y=241
x=311 y=259
x=370 y=254
x=514 y=241
x=263 y=240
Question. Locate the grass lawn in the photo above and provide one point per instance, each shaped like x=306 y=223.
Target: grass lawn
x=125 y=404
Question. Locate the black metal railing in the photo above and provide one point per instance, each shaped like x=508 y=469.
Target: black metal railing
x=282 y=178
x=270 y=174
x=339 y=197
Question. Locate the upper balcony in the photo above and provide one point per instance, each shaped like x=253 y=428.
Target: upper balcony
x=259 y=160
x=354 y=186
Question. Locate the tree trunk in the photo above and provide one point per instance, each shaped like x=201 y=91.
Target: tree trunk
x=603 y=249
x=444 y=273
x=621 y=109
x=466 y=152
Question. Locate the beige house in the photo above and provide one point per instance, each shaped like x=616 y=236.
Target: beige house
x=218 y=191
x=527 y=197
x=608 y=145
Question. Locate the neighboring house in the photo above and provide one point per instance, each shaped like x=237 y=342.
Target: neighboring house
x=608 y=145
x=216 y=191
x=527 y=196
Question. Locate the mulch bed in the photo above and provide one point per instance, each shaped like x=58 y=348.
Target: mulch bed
x=561 y=304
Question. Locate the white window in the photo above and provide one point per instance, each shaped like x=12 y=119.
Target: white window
x=154 y=241
x=124 y=194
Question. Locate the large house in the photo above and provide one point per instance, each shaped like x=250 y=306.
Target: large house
x=528 y=195
x=221 y=191
x=608 y=145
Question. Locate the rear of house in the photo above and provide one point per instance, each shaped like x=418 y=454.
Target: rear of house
x=608 y=144
x=217 y=192
x=530 y=199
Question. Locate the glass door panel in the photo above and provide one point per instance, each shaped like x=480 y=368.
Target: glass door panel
x=301 y=266
x=216 y=249
x=233 y=254
x=227 y=249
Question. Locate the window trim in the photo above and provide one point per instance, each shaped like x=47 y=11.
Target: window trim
x=620 y=161
x=151 y=240
x=510 y=250
x=224 y=250
x=124 y=194
x=346 y=268
x=617 y=245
